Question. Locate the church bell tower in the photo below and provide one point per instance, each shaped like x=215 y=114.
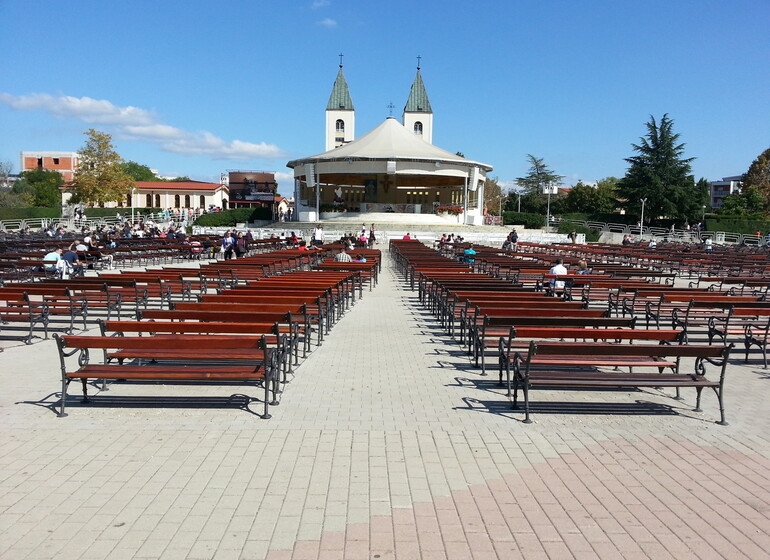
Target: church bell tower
x=340 y=114
x=418 y=115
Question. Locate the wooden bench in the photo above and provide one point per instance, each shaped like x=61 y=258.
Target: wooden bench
x=519 y=338
x=284 y=339
x=15 y=309
x=171 y=358
x=553 y=364
x=485 y=333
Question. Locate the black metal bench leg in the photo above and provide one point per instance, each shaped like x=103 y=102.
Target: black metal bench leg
x=720 y=396
x=527 y=419
x=64 y=383
x=84 y=381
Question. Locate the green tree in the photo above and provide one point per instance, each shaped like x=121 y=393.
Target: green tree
x=9 y=199
x=660 y=174
x=607 y=195
x=581 y=198
x=6 y=168
x=493 y=195
x=538 y=176
x=40 y=187
x=758 y=177
x=182 y=179
x=750 y=201
x=137 y=171
x=99 y=177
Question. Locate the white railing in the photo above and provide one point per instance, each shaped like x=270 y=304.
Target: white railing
x=680 y=235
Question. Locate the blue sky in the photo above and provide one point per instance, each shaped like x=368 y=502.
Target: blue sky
x=196 y=88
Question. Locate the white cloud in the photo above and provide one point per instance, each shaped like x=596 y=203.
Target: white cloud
x=135 y=124
x=327 y=22
x=86 y=109
x=320 y=4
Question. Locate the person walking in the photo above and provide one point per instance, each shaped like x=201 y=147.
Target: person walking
x=228 y=245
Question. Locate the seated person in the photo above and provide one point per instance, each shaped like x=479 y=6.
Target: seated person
x=469 y=254
x=360 y=258
x=557 y=286
x=72 y=265
x=50 y=260
x=582 y=268
x=342 y=256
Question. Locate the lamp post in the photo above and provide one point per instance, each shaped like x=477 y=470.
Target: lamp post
x=641 y=221
x=548 y=188
x=133 y=190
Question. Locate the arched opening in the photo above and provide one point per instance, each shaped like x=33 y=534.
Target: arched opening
x=418 y=128
x=129 y=202
x=224 y=204
x=157 y=201
x=176 y=201
x=340 y=125
x=148 y=201
x=203 y=202
x=187 y=201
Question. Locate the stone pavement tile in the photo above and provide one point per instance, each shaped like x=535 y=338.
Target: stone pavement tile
x=305 y=550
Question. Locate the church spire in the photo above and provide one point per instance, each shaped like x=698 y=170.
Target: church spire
x=340 y=99
x=418 y=101
x=418 y=114
x=340 y=113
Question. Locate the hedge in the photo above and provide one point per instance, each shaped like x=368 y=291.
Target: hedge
x=29 y=212
x=592 y=235
x=529 y=221
x=737 y=224
x=229 y=218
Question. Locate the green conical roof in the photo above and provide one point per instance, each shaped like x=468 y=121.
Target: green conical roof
x=340 y=97
x=418 y=101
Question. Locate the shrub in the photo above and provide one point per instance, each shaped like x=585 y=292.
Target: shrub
x=736 y=224
x=229 y=218
x=332 y=208
x=529 y=221
x=592 y=235
x=29 y=212
x=452 y=210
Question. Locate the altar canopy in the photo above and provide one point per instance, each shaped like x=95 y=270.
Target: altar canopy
x=389 y=166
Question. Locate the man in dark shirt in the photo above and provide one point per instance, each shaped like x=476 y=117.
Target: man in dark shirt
x=71 y=257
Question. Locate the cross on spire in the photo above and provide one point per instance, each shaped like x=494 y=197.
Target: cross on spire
x=418 y=61
x=391 y=107
x=341 y=55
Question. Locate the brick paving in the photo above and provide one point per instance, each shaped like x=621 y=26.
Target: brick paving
x=387 y=444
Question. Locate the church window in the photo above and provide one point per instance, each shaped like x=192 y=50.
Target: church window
x=187 y=201
x=148 y=201
x=418 y=128
x=157 y=201
x=340 y=125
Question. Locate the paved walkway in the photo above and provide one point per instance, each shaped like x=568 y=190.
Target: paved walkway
x=386 y=445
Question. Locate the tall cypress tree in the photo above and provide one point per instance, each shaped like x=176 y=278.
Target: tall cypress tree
x=660 y=174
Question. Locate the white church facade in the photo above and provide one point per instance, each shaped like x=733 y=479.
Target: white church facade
x=393 y=168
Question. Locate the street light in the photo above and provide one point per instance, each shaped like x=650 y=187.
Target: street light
x=548 y=188
x=641 y=222
x=133 y=190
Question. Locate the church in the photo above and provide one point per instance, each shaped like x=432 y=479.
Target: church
x=394 y=168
